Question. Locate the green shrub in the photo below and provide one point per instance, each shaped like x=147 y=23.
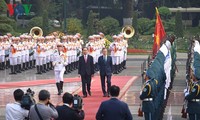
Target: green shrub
x=109 y=25
x=36 y=21
x=74 y=26
x=6 y=20
x=144 y=24
x=5 y=28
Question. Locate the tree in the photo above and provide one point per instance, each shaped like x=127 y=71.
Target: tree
x=3 y=7
x=127 y=11
x=45 y=22
x=164 y=12
x=6 y=25
x=74 y=26
x=135 y=21
x=144 y=24
x=109 y=26
x=178 y=24
x=90 y=23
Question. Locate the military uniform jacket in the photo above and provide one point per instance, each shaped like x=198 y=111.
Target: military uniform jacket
x=193 y=99
x=59 y=61
x=149 y=91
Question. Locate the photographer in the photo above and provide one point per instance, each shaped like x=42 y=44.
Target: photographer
x=43 y=110
x=14 y=111
x=66 y=112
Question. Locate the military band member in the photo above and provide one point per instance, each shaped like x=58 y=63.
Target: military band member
x=13 y=56
x=59 y=63
x=114 y=48
x=6 y=45
x=2 y=54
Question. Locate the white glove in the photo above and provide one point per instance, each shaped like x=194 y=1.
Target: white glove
x=185 y=90
x=186 y=93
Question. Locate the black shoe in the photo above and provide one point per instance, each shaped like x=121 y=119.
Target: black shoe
x=61 y=86
x=19 y=68
x=90 y=94
x=27 y=66
x=23 y=67
x=104 y=95
x=84 y=96
x=44 y=68
x=7 y=64
x=58 y=87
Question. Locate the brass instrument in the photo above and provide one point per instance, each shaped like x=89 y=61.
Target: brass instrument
x=128 y=31
x=36 y=32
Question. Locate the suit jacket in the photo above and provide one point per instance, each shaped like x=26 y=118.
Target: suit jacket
x=86 y=67
x=105 y=67
x=113 y=109
x=67 y=113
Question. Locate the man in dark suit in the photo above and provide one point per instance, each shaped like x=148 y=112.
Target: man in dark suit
x=105 y=67
x=65 y=112
x=86 y=71
x=113 y=109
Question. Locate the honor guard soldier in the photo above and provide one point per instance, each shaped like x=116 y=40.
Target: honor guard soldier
x=193 y=97
x=147 y=95
x=65 y=51
x=59 y=63
x=192 y=94
x=13 y=56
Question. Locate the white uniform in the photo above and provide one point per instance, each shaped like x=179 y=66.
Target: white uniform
x=115 y=53
x=59 y=62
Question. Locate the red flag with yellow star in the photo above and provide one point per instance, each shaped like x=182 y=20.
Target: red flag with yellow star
x=159 y=34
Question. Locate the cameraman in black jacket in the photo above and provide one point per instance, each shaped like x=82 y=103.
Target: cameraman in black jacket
x=66 y=112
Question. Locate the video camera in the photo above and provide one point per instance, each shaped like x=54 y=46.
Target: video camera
x=28 y=100
x=77 y=102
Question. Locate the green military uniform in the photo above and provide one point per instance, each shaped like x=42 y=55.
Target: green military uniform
x=148 y=95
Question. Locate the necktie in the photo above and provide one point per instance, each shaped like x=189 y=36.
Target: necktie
x=85 y=57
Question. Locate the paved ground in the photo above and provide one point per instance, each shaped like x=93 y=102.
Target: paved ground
x=173 y=109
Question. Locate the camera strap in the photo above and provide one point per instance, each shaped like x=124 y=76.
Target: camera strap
x=36 y=109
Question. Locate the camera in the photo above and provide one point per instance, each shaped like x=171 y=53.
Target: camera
x=28 y=100
x=77 y=102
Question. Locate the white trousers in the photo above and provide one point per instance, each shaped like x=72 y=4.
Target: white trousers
x=59 y=75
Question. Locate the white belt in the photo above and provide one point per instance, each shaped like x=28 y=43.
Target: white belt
x=148 y=99
x=195 y=100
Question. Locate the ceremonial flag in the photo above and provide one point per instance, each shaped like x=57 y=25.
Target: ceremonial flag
x=159 y=34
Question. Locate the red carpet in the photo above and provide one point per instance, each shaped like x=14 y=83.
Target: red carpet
x=91 y=103
x=34 y=83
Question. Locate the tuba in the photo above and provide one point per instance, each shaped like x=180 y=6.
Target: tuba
x=36 y=32
x=128 y=31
